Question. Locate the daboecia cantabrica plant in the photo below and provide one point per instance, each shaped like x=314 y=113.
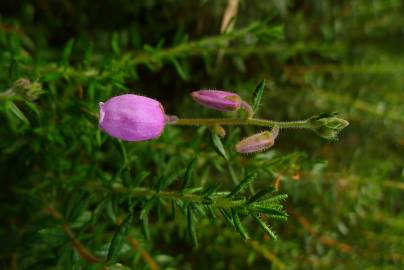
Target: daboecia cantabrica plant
x=109 y=161
x=135 y=118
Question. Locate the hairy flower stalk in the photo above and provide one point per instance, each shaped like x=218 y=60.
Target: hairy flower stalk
x=241 y=122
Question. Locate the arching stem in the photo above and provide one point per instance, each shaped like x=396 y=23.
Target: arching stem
x=240 y=122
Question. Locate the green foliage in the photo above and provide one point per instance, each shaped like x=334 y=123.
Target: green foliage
x=74 y=198
x=218 y=145
x=257 y=95
x=119 y=238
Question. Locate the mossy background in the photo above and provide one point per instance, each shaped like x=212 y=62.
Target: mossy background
x=345 y=198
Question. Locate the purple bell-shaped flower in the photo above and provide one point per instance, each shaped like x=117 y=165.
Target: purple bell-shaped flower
x=132 y=118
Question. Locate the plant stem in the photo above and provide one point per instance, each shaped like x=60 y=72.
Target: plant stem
x=146 y=256
x=217 y=201
x=83 y=252
x=266 y=253
x=238 y=121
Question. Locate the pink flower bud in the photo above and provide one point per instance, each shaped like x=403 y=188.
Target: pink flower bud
x=132 y=117
x=219 y=100
x=257 y=142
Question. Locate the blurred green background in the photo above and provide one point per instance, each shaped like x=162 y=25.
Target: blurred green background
x=345 y=200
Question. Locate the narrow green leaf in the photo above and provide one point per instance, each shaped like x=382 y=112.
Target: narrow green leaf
x=226 y=216
x=99 y=210
x=88 y=54
x=210 y=212
x=120 y=85
x=110 y=211
x=166 y=180
x=238 y=225
x=140 y=177
x=147 y=207
x=180 y=35
x=188 y=173
x=120 y=146
x=254 y=26
x=98 y=138
x=191 y=226
x=51 y=236
x=173 y=210
x=160 y=44
x=243 y=184
x=257 y=95
x=272 y=213
x=77 y=203
x=209 y=190
x=218 y=145
x=32 y=106
x=15 y=146
x=67 y=51
x=273 y=33
x=179 y=69
x=149 y=49
x=267 y=204
x=145 y=227
x=261 y=195
x=233 y=174
x=52 y=76
x=125 y=174
x=265 y=227
x=276 y=199
x=115 y=43
x=239 y=63
x=199 y=209
x=119 y=238
x=14 y=110
x=14 y=70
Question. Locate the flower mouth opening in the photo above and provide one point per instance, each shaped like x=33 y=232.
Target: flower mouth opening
x=234 y=98
x=102 y=113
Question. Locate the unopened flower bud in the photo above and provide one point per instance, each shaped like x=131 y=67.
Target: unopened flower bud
x=219 y=100
x=27 y=89
x=132 y=118
x=327 y=125
x=257 y=142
